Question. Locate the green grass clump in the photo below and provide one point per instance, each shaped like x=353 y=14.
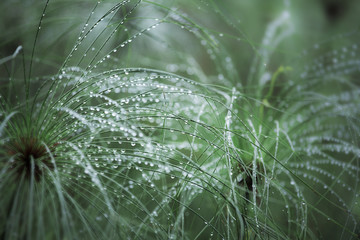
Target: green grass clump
x=175 y=120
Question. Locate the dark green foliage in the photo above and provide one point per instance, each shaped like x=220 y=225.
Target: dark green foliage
x=179 y=120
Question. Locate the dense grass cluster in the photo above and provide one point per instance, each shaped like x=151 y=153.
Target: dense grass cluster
x=179 y=120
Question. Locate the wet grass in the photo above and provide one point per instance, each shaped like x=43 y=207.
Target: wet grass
x=176 y=120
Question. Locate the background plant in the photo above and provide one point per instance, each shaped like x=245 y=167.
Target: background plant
x=96 y=143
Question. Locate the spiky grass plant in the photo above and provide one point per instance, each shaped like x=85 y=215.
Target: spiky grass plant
x=102 y=154
x=97 y=144
x=296 y=138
